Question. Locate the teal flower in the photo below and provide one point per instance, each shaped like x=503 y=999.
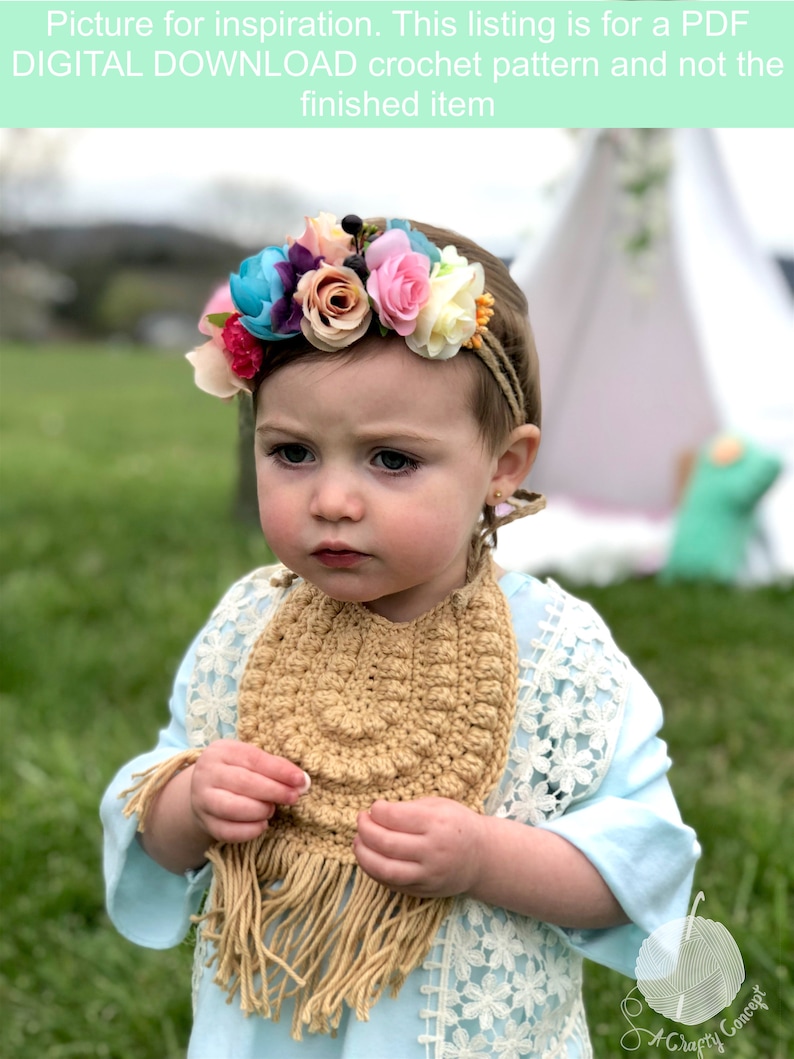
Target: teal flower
x=255 y=290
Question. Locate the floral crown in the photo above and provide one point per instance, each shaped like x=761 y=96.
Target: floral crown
x=332 y=284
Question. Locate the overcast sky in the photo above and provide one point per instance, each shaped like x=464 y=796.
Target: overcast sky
x=496 y=185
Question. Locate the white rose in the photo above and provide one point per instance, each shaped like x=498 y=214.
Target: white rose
x=450 y=316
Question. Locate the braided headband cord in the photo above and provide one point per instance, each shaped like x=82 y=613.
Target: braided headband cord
x=523 y=503
x=492 y=354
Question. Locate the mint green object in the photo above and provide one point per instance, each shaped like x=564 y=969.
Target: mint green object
x=717 y=517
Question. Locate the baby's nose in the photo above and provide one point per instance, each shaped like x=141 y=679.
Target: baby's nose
x=337 y=497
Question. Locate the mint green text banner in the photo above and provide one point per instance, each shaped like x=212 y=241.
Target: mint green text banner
x=351 y=64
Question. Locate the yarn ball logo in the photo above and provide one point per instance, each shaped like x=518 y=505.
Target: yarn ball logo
x=690 y=969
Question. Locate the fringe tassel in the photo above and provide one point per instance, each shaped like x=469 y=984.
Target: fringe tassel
x=151 y=782
x=336 y=936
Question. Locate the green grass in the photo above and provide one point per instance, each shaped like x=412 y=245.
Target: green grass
x=117 y=485
x=721 y=660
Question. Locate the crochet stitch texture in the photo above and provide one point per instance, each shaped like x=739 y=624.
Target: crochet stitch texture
x=370 y=709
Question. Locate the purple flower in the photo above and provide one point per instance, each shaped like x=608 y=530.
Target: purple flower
x=286 y=314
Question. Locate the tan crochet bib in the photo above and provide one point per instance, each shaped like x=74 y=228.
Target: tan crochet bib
x=370 y=709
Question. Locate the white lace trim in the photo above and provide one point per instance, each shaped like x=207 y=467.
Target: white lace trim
x=498 y=984
x=503 y=984
x=222 y=652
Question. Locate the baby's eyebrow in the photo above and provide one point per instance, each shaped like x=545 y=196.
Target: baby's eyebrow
x=266 y=429
x=391 y=434
x=395 y=435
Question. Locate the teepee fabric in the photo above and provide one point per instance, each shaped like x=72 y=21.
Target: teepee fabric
x=644 y=358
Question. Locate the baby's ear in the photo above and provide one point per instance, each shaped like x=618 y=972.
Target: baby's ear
x=516 y=460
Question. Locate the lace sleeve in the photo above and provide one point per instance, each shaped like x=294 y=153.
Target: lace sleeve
x=222 y=651
x=146 y=903
x=587 y=764
x=632 y=831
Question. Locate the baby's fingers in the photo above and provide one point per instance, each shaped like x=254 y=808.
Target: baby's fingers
x=248 y=772
x=394 y=872
x=226 y=805
x=223 y=830
x=387 y=841
x=288 y=777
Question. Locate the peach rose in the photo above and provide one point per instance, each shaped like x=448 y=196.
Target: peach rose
x=335 y=305
x=324 y=237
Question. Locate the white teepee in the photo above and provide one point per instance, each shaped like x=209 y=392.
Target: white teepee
x=645 y=356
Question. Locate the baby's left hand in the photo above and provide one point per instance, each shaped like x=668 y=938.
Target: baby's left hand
x=428 y=848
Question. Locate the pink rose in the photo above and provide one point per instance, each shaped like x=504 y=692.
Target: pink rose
x=323 y=237
x=449 y=317
x=336 y=309
x=399 y=280
x=220 y=301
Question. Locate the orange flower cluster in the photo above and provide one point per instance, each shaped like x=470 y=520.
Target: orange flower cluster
x=484 y=304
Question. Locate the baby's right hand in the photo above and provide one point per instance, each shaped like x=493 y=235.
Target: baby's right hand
x=235 y=788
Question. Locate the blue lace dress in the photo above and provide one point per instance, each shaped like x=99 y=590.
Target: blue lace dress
x=585 y=762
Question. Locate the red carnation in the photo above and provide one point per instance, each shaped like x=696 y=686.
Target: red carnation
x=243 y=350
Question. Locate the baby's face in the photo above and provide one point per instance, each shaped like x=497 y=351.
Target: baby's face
x=372 y=474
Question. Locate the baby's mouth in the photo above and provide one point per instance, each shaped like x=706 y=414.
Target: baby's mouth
x=339 y=557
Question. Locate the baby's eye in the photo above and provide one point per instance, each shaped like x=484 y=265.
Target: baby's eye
x=292 y=453
x=393 y=461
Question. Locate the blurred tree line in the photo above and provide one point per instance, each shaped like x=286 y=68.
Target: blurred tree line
x=144 y=283
x=139 y=282
x=135 y=282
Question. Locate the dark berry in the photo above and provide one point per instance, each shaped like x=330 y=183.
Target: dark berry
x=358 y=264
x=352 y=224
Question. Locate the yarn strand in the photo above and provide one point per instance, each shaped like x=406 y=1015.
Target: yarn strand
x=337 y=936
x=150 y=783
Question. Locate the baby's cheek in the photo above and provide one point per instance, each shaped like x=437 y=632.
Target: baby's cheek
x=279 y=525
x=430 y=535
